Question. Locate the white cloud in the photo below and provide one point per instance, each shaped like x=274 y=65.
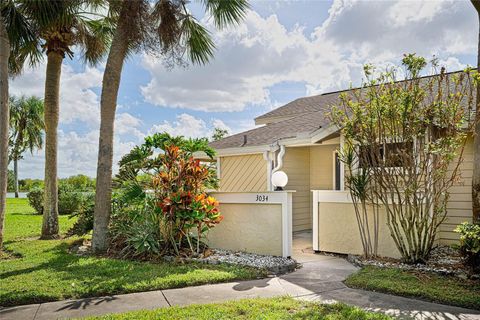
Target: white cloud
x=127 y=124
x=262 y=52
x=77 y=153
x=189 y=126
x=78 y=100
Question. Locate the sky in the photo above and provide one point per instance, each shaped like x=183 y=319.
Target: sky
x=282 y=51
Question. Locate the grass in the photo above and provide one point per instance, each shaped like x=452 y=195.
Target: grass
x=428 y=286
x=272 y=308
x=22 y=222
x=42 y=271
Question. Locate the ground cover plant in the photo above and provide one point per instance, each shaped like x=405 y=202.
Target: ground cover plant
x=63 y=274
x=470 y=244
x=272 y=308
x=428 y=286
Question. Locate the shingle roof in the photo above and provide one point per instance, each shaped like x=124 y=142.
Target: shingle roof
x=301 y=106
x=293 y=120
x=268 y=134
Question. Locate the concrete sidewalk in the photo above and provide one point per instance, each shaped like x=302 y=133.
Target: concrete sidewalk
x=320 y=279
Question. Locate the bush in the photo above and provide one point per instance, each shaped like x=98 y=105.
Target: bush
x=470 y=244
x=160 y=202
x=69 y=201
x=84 y=214
x=35 y=199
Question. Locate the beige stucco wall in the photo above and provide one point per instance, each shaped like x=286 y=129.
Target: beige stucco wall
x=243 y=173
x=338 y=231
x=459 y=207
x=296 y=164
x=253 y=228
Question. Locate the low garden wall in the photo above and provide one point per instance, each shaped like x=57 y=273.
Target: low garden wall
x=335 y=227
x=256 y=222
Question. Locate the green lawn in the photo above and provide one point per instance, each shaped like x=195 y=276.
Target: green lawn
x=21 y=222
x=271 y=309
x=46 y=271
x=429 y=286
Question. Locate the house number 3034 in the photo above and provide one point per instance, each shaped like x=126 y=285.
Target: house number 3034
x=261 y=198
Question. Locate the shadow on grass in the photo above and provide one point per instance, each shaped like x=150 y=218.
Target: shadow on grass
x=62 y=275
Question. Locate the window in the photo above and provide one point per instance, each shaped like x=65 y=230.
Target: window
x=390 y=155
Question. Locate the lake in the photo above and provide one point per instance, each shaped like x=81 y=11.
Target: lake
x=20 y=194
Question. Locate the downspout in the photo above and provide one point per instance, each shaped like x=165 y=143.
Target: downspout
x=279 y=159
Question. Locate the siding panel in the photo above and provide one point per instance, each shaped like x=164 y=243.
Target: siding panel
x=243 y=173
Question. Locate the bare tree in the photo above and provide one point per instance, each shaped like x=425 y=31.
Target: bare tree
x=404 y=143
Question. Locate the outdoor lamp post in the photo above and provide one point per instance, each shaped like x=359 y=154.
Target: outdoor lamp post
x=279 y=180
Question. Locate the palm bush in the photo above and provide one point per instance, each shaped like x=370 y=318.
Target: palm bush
x=160 y=203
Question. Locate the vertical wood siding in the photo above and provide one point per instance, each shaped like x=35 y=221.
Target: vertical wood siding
x=243 y=173
x=321 y=167
x=296 y=164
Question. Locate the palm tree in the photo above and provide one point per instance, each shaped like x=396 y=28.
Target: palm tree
x=476 y=138
x=4 y=113
x=15 y=33
x=170 y=28
x=61 y=25
x=26 y=126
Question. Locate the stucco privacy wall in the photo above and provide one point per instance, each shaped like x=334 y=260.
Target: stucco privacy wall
x=459 y=206
x=254 y=222
x=243 y=173
x=338 y=231
x=296 y=164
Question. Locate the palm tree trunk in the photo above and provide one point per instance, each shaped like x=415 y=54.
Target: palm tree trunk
x=4 y=123
x=15 y=174
x=108 y=104
x=476 y=138
x=51 y=102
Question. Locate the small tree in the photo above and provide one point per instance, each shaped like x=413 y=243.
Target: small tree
x=219 y=134
x=404 y=142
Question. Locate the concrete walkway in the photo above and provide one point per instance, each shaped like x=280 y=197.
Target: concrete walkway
x=320 y=279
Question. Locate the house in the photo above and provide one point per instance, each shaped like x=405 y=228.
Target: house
x=299 y=139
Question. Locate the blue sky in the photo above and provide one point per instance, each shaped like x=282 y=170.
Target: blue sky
x=283 y=50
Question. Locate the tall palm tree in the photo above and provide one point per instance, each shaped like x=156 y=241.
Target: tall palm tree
x=15 y=34
x=4 y=113
x=61 y=25
x=476 y=137
x=170 y=28
x=26 y=129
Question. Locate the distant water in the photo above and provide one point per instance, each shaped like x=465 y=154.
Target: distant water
x=20 y=195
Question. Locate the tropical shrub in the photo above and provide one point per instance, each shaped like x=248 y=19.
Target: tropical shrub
x=470 y=244
x=403 y=146
x=161 y=205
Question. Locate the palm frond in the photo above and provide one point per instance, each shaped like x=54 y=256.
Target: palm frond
x=198 y=41
x=226 y=12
